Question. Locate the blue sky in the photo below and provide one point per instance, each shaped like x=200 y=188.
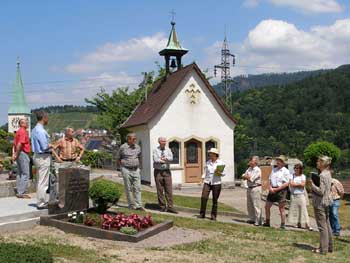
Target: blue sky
x=69 y=49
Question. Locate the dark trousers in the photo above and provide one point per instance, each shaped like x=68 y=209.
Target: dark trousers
x=322 y=220
x=164 y=186
x=216 y=189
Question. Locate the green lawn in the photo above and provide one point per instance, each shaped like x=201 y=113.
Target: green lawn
x=343 y=213
x=179 y=200
x=237 y=243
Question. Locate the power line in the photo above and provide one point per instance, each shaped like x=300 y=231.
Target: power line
x=64 y=89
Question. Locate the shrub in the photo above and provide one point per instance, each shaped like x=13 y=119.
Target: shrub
x=128 y=230
x=22 y=253
x=104 y=192
x=7 y=164
x=95 y=159
x=316 y=149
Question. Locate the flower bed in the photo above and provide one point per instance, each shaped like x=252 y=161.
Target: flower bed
x=118 y=222
x=114 y=226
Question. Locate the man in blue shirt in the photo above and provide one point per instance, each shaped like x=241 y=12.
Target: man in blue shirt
x=42 y=158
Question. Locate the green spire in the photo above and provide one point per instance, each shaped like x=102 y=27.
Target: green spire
x=19 y=104
x=173 y=42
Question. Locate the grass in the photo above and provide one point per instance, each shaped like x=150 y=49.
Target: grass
x=343 y=213
x=179 y=200
x=237 y=243
x=70 y=253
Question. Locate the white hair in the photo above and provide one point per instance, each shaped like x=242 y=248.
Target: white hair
x=67 y=129
x=255 y=158
x=325 y=160
x=161 y=139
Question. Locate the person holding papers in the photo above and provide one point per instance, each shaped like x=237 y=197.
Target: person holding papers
x=214 y=170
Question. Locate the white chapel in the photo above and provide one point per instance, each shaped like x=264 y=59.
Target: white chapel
x=184 y=108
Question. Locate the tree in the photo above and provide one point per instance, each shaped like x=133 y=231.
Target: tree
x=116 y=107
x=316 y=149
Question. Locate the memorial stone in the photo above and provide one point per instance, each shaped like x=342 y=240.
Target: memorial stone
x=72 y=191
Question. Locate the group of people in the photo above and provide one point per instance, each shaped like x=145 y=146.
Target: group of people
x=130 y=163
x=67 y=151
x=325 y=197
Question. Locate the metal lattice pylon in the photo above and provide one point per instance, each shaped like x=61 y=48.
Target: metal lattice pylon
x=225 y=71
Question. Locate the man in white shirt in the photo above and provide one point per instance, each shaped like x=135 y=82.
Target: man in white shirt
x=279 y=181
x=162 y=156
x=253 y=177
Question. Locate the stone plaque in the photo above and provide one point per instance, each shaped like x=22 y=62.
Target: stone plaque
x=72 y=191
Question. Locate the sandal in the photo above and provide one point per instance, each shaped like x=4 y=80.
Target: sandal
x=316 y=250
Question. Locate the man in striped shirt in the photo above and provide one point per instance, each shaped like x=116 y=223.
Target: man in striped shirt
x=70 y=149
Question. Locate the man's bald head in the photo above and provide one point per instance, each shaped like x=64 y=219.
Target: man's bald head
x=162 y=142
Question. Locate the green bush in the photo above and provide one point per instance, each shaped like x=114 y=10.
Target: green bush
x=128 y=230
x=314 y=150
x=104 y=192
x=22 y=253
x=94 y=159
x=7 y=164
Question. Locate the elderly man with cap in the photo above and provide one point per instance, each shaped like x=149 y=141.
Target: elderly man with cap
x=162 y=156
x=253 y=177
x=279 y=181
x=214 y=170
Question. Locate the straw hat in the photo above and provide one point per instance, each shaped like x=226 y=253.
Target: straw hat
x=282 y=158
x=214 y=150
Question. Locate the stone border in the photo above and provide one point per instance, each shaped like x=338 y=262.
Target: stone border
x=56 y=221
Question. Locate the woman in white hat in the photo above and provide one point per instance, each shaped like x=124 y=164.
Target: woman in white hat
x=279 y=181
x=214 y=170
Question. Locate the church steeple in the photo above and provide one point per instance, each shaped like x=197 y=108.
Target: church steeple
x=19 y=104
x=19 y=108
x=173 y=50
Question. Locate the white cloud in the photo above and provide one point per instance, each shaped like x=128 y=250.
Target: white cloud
x=306 y=6
x=135 y=49
x=279 y=46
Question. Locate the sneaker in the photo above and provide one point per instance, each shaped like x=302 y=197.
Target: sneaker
x=283 y=226
x=213 y=218
x=140 y=208
x=201 y=216
x=162 y=209
x=42 y=206
x=256 y=224
x=336 y=234
x=267 y=224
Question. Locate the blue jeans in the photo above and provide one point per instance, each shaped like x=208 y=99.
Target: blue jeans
x=334 y=217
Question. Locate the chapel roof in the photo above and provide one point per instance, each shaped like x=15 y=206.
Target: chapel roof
x=161 y=93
